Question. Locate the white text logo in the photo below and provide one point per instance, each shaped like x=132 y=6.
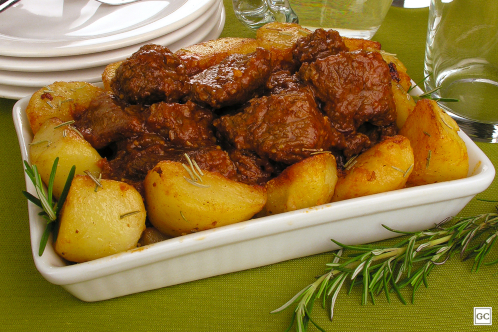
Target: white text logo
x=483 y=316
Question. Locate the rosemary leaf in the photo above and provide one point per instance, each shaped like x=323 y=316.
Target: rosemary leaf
x=62 y=197
x=418 y=84
x=32 y=199
x=51 y=181
x=334 y=296
x=401 y=298
x=44 y=238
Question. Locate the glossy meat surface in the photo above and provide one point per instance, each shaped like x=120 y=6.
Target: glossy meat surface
x=355 y=88
x=284 y=128
x=234 y=80
x=283 y=80
x=317 y=45
x=150 y=75
x=107 y=120
x=186 y=124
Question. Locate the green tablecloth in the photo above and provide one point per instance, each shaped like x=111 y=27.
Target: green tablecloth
x=238 y=301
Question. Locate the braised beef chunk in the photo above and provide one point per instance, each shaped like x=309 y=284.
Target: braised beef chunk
x=318 y=44
x=234 y=80
x=135 y=157
x=187 y=124
x=214 y=159
x=107 y=120
x=355 y=87
x=251 y=168
x=283 y=80
x=285 y=128
x=150 y=75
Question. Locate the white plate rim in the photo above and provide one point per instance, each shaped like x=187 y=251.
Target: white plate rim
x=189 y=12
x=82 y=61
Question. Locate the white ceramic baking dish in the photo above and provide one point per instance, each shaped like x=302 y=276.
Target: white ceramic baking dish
x=255 y=242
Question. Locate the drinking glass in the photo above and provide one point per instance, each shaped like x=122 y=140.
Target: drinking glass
x=256 y=13
x=461 y=63
x=351 y=18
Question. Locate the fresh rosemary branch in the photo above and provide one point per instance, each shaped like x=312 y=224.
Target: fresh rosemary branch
x=428 y=95
x=44 y=200
x=406 y=264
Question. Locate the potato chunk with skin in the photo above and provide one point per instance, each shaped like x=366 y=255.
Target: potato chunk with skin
x=308 y=183
x=279 y=39
x=57 y=140
x=109 y=73
x=384 y=167
x=440 y=154
x=354 y=44
x=62 y=100
x=99 y=223
x=404 y=104
x=176 y=206
x=201 y=56
x=401 y=71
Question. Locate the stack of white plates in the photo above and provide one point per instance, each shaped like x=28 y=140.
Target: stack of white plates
x=73 y=40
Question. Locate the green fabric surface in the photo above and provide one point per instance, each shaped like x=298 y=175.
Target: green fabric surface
x=239 y=301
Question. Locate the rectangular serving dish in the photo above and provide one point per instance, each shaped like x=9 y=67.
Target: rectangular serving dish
x=256 y=242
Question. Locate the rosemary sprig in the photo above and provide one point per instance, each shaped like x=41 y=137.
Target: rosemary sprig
x=44 y=199
x=418 y=84
x=194 y=172
x=428 y=95
x=406 y=264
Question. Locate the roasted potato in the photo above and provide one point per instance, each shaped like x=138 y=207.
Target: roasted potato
x=203 y=55
x=279 y=39
x=95 y=223
x=54 y=139
x=384 y=167
x=402 y=77
x=177 y=205
x=404 y=103
x=440 y=154
x=355 y=44
x=108 y=74
x=62 y=100
x=308 y=183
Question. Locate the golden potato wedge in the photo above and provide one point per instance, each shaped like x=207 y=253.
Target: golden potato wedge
x=404 y=103
x=176 y=206
x=108 y=74
x=57 y=140
x=204 y=55
x=279 y=39
x=355 y=44
x=384 y=167
x=308 y=183
x=400 y=70
x=62 y=100
x=440 y=154
x=99 y=223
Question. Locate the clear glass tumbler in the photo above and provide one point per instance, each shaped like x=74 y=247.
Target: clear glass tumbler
x=256 y=13
x=351 y=18
x=461 y=63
